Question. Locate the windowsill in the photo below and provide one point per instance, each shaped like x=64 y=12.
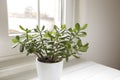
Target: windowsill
x=73 y=70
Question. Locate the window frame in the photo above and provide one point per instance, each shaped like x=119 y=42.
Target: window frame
x=67 y=17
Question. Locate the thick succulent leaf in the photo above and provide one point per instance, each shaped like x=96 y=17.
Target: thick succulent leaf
x=73 y=34
x=56 y=28
x=30 y=50
x=84 y=27
x=50 y=35
x=50 y=53
x=77 y=26
x=63 y=27
x=21 y=27
x=79 y=43
x=38 y=29
x=61 y=49
x=64 y=37
x=15 y=45
x=59 y=52
x=14 y=40
x=43 y=28
x=51 y=42
x=83 y=34
x=68 y=45
x=35 y=30
x=46 y=35
x=76 y=56
x=18 y=38
x=74 y=29
x=50 y=49
x=63 y=41
x=28 y=31
x=84 y=48
x=70 y=29
x=21 y=47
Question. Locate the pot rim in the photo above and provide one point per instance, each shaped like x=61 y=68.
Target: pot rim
x=48 y=62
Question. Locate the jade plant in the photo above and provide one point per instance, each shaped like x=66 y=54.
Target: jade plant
x=52 y=46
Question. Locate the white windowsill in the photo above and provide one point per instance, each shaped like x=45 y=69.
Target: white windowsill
x=73 y=70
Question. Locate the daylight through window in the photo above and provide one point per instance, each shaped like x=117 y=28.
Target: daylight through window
x=25 y=13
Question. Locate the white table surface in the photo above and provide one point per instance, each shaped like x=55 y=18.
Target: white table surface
x=91 y=71
x=75 y=70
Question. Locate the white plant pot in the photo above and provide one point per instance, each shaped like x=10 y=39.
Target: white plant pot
x=49 y=71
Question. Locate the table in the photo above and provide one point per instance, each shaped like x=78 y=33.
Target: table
x=88 y=70
x=91 y=71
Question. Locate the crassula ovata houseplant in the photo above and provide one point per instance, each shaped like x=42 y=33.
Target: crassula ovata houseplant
x=52 y=46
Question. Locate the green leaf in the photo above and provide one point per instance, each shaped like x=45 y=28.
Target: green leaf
x=86 y=45
x=63 y=41
x=84 y=27
x=56 y=28
x=61 y=49
x=70 y=29
x=14 y=40
x=84 y=48
x=77 y=27
x=28 y=31
x=79 y=43
x=35 y=30
x=21 y=28
x=50 y=53
x=51 y=42
x=83 y=34
x=50 y=49
x=21 y=47
x=68 y=45
x=46 y=35
x=30 y=50
x=50 y=35
x=63 y=27
x=73 y=34
x=43 y=28
x=38 y=29
x=15 y=45
x=76 y=56
x=74 y=29
x=59 y=52
x=17 y=37
x=64 y=37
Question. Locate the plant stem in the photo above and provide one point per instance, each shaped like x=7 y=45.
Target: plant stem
x=37 y=55
x=41 y=55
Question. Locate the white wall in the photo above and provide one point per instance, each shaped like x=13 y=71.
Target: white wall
x=103 y=18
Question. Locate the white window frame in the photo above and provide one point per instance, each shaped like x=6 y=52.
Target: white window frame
x=68 y=17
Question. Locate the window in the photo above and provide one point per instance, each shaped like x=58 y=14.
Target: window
x=46 y=18
x=25 y=13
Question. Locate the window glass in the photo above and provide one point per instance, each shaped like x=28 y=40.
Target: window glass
x=25 y=13
x=21 y=12
x=49 y=13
